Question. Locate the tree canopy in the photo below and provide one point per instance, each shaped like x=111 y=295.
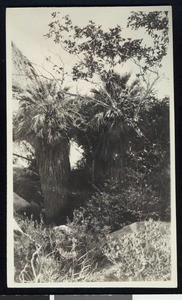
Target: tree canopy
x=100 y=50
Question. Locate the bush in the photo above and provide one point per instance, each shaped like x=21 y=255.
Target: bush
x=140 y=256
x=120 y=204
x=51 y=256
x=76 y=254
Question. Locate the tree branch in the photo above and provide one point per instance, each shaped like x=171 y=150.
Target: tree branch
x=23 y=157
x=145 y=95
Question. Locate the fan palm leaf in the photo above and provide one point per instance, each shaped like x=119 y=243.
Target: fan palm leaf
x=44 y=119
x=110 y=120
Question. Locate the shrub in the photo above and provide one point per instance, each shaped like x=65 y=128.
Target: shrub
x=140 y=256
x=50 y=256
x=77 y=254
x=120 y=204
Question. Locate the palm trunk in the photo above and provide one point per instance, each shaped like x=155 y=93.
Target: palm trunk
x=54 y=170
x=113 y=169
x=93 y=171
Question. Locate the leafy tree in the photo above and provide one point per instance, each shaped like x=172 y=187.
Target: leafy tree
x=156 y=24
x=99 y=50
x=151 y=158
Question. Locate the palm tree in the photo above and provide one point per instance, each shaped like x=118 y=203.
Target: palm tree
x=45 y=116
x=110 y=118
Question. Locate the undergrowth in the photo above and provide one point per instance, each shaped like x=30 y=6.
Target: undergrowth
x=70 y=253
x=140 y=256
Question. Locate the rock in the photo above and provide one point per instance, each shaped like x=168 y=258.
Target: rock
x=136 y=227
x=25 y=255
x=23 y=242
x=17 y=228
x=20 y=236
x=21 y=206
x=18 y=171
x=62 y=229
x=24 y=73
x=26 y=186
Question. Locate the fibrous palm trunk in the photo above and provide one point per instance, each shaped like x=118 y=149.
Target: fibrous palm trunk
x=54 y=171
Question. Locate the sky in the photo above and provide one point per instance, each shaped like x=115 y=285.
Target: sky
x=27 y=27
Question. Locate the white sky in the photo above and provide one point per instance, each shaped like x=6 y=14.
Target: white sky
x=26 y=27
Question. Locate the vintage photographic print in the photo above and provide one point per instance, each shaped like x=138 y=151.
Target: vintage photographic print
x=91 y=173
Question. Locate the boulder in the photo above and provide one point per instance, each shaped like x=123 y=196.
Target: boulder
x=20 y=236
x=24 y=74
x=21 y=206
x=25 y=255
x=26 y=186
x=62 y=229
x=137 y=227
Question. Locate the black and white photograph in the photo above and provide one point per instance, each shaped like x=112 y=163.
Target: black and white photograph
x=90 y=147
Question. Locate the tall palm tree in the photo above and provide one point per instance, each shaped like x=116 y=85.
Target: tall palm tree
x=44 y=119
x=110 y=119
